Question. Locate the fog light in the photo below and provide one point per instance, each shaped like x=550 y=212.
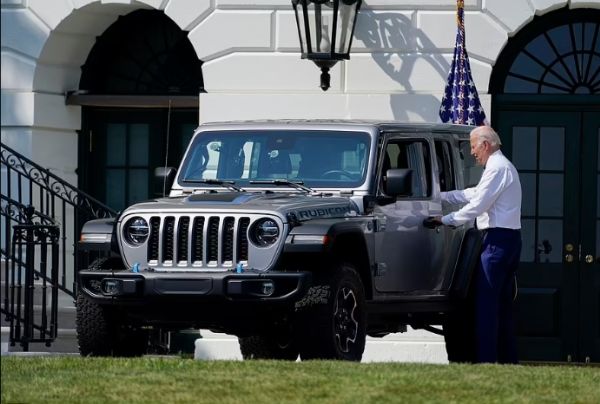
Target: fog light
x=268 y=288
x=111 y=287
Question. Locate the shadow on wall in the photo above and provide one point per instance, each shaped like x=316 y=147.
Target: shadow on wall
x=394 y=40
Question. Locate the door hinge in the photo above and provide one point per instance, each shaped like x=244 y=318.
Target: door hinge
x=91 y=138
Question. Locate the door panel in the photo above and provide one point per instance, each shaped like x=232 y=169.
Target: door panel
x=402 y=244
x=589 y=313
x=119 y=150
x=545 y=148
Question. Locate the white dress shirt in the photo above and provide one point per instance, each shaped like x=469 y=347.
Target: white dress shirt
x=495 y=201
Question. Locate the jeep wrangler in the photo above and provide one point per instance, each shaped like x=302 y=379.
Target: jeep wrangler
x=299 y=237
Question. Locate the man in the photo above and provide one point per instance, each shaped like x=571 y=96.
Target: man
x=496 y=204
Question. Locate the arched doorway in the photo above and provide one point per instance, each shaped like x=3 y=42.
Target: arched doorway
x=139 y=89
x=546 y=105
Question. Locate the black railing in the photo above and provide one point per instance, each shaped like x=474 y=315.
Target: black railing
x=28 y=324
x=25 y=183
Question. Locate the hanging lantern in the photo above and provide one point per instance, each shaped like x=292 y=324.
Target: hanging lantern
x=325 y=29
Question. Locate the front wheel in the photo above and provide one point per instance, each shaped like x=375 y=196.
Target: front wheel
x=101 y=331
x=332 y=318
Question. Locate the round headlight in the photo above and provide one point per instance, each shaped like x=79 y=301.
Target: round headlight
x=136 y=230
x=264 y=232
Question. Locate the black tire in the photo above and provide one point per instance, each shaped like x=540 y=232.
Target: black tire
x=332 y=318
x=459 y=331
x=268 y=347
x=101 y=331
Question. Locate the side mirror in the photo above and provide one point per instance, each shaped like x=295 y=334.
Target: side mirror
x=163 y=180
x=398 y=182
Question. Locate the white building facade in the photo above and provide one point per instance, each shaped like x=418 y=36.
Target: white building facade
x=250 y=68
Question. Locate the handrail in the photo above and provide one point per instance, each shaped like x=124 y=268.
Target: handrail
x=61 y=188
x=54 y=201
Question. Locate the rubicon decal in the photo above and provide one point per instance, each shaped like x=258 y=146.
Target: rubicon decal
x=334 y=211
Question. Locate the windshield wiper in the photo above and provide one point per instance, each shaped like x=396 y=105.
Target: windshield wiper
x=211 y=181
x=282 y=181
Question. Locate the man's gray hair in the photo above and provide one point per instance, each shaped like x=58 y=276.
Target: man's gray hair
x=486 y=133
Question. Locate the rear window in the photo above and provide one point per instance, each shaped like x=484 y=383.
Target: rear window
x=471 y=171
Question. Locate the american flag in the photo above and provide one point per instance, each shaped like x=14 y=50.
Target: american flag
x=460 y=103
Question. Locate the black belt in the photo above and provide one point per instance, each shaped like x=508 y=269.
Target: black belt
x=499 y=229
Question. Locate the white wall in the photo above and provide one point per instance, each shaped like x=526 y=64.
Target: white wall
x=252 y=67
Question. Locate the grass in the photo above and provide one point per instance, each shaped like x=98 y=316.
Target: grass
x=169 y=380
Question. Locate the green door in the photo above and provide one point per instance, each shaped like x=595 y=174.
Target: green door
x=556 y=153
x=589 y=269
x=119 y=150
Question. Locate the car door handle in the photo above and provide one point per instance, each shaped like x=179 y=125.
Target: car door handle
x=431 y=223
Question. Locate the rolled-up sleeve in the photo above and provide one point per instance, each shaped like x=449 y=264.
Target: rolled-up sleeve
x=458 y=196
x=479 y=199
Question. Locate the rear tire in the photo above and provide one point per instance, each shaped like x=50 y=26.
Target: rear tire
x=268 y=347
x=332 y=317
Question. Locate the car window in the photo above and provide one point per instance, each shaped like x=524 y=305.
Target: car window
x=445 y=169
x=413 y=154
x=471 y=171
x=327 y=158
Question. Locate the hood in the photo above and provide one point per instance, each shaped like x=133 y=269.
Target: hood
x=298 y=206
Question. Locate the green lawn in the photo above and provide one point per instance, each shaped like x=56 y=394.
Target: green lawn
x=166 y=380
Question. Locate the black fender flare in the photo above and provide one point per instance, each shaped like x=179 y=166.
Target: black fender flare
x=343 y=239
x=89 y=240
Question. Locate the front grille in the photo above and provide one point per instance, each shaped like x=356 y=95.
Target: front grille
x=198 y=241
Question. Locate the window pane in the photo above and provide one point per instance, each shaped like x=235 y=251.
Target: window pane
x=598 y=196
x=115 y=188
x=116 y=136
x=138 y=144
x=541 y=49
x=528 y=238
x=528 y=187
x=526 y=66
x=552 y=148
x=187 y=130
x=561 y=38
x=524 y=147
x=597 y=252
x=551 y=195
x=472 y=172
x=517 y=85
x=598 y=157
x=552 y=232
x=138 y=185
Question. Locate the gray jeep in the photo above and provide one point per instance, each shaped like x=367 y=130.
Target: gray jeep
x=299 y=237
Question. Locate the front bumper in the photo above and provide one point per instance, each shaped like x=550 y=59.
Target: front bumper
x=114 y=286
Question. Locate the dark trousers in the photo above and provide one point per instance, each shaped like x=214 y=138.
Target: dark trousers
x=495 y=329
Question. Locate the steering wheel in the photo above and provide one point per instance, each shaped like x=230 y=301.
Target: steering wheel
x=340 y=173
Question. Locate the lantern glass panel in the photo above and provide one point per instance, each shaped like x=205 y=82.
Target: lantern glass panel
x=320 y=20
x=301 y=27
x=346 y=16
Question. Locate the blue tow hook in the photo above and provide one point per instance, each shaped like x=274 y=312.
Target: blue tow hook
x=239 y=268
x=136 y=267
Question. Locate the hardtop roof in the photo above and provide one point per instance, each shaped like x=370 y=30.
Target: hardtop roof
x=384 y=126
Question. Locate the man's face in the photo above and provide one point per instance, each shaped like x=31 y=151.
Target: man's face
x=480 y=149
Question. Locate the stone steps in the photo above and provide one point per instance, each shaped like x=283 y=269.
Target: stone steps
x=417 y=346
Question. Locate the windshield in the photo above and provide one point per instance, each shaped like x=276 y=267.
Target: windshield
x=328 y=159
